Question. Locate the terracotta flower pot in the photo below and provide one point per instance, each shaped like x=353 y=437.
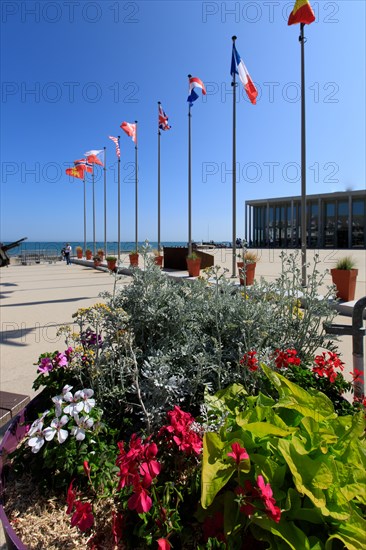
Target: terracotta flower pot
x=134 y=259
x=249 y=273
x=194 y=267
x=111 y=264
x=97 y=263
x=158 y=260
x=88 y=254
x=79 y=254
x=345 y=281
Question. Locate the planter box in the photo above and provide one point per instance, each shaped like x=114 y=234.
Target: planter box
x=12 y=437
x=345 y=281
x=175 y=258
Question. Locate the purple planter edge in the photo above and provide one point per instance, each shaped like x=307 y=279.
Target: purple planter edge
x=13 y=435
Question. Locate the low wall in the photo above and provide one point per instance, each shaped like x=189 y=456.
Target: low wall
x=175 y=258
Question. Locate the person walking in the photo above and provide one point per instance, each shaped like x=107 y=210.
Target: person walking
x=68 y=250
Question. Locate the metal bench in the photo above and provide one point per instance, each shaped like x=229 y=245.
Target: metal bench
x=10 y=405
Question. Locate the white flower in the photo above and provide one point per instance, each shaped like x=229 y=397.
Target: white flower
x=76 y=405
x=83 y=423
x=58 y=400
x=88 y=403
x=36 y=442
x=56 y=427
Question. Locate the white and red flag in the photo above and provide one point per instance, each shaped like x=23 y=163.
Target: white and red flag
x=116 y=142
x=130 y=129
x=84 y=165
x=238 y=67
x=195 y=82
x=93 y=156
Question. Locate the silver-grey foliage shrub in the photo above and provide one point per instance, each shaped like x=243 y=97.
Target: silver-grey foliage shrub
x=165 y=342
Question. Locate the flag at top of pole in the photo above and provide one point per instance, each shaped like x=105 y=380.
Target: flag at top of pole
x=195 y=82
x=163 y=119
x=87 y=166
x=92 y=156
x=130 y=130
x=76 y=172
x=116 y=142
x=238 y=67
x=302 y=13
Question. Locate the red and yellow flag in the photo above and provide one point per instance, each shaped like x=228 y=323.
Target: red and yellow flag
x=302 y=13
x=75 y=172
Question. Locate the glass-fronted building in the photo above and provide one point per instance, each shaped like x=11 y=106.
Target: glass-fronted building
x=333 y=220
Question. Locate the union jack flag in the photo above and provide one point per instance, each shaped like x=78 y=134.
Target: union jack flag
x=116 y=142
x=163 y=119
x=84 y=164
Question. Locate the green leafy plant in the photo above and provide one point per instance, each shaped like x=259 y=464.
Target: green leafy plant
x=111 y=258
x=347 y=262
x=193 y=256
x=287 y=470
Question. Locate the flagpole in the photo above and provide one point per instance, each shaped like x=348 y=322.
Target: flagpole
x=94 y=243
x=159 y=133
x=233 y=84
x=84 y=214
x=303 y=158
x=105 y=203
x=136 y=194
x=189 y=180
x=119 y=206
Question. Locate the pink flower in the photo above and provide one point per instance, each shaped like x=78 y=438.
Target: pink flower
x=60 y=360
x=140 y=500
x=45 y=365
x=163 y=544
x=238 y=453
x=83 y=516
x=266 y=494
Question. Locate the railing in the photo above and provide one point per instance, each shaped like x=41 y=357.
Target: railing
x=357 y=331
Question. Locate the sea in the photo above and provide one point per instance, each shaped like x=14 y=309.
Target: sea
x=48 y=248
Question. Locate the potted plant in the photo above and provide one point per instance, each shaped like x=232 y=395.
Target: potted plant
x=97 y=260
x=247 y=267
x=100 y=253
x=134 y=258
x=158 y=258
x=88 y=254
x=193 y=264
x=111 y=262
x=344 y=276
x=79 y=252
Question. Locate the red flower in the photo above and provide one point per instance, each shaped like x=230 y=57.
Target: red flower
x=163 y=544
x=83 y=516
x=238 y=453
x=249 y=360
x=180 y=429
x=325 y=367
x=117 y=525
x=70 y=499
x=140 y=500
x=357 y=375
x=286 y=358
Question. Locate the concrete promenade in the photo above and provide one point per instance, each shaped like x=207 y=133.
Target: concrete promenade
x=36 y=300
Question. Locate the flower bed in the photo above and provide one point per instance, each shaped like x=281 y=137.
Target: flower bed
x=178 y=416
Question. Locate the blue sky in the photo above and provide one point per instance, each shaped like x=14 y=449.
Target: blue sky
x=72 y=71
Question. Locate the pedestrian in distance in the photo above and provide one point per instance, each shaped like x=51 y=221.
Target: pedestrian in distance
x=68 y=250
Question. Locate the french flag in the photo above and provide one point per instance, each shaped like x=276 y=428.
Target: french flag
x=238 y=67
x=195 y=82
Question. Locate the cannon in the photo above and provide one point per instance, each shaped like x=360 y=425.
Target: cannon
x=4 y=258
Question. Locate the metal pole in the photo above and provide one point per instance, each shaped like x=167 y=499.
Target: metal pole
x=119 y=207
x=357 y=347
x=105 y=202
x=136 y=194
x=94 y=242
x=189 y=181
x=159 y=133
x=84 y=214
x=233 y=84
x=303 y=159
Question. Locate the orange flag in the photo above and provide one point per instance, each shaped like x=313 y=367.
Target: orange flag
x=75 y=172
x=302 y=13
